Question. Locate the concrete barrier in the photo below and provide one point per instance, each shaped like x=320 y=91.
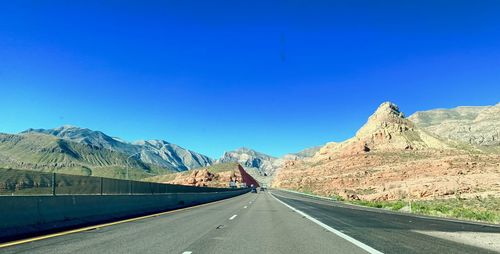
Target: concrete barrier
x=22 y=216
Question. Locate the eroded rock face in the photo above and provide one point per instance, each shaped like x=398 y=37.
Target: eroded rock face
x=205 y=178
x=219 y=175
x=392 y=176
x=472 y=125
x=387 y=117
x=392 y=158
x=387 y=130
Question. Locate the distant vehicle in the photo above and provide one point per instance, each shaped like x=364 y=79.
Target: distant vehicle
x=232 y=184
x=262 y=189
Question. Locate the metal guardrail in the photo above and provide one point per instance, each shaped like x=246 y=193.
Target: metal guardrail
x=22 y=182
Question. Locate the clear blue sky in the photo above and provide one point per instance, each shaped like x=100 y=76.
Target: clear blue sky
x=276 y=76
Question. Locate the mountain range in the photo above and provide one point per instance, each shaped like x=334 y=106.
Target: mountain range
x=75 y=150
x=71 y=149
x=156 y=152
x=392 y=157
x=41 y=152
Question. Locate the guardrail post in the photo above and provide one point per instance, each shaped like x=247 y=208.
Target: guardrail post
x=101 y=185
x=129 y=187
x=53 y=184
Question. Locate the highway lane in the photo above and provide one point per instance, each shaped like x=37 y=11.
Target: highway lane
x=386 y=232
x=251 y=223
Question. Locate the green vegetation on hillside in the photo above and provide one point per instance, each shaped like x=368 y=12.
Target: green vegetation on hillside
x=46 y=153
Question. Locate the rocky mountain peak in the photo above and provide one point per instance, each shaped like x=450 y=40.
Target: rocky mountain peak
x=386 y=130
x=69 y=126
x=388 y=109
x=80 y=135
x=245 y=150
x=250 y=158
x=387 y=119
x=153 y=143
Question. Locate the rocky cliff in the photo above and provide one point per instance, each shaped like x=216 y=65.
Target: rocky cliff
x=386 y=130
x=393 y=158
x=217 y=175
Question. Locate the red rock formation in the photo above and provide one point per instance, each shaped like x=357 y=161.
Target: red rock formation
x=248 y=179
x=214 y=177
x=390 y=158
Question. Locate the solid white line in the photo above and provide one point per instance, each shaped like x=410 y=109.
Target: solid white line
x=379 y=210
x=245 y=206
x=187 y=252
x=232 y=217
x=338 y=233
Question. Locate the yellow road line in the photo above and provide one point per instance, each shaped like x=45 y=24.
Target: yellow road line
x=8 y=244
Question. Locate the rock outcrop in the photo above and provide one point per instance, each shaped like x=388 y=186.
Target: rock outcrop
x=393 y=158
x=217 y=175
x=386 y=130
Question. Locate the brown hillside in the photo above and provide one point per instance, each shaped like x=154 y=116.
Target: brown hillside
x=391 y=158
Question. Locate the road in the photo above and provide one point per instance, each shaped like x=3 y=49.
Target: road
x=389 y=232
x=260 y=223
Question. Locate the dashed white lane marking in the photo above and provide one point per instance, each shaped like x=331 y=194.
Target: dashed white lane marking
x=245 y=207
x=346 y=237
x=232 y=217
x=187 y=252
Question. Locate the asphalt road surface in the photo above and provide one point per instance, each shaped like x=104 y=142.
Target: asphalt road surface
x=388 y=232
x=260 y=223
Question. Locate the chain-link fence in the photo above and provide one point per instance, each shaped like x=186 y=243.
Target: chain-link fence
x=20 y=182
